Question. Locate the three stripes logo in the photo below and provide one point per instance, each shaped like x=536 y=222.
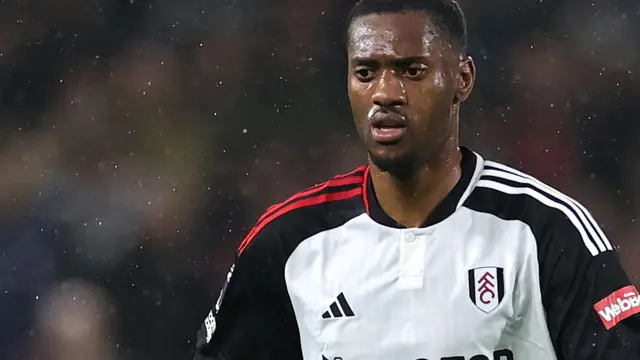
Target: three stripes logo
x=339 y=308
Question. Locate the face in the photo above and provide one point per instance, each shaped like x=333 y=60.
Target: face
x=405 y=83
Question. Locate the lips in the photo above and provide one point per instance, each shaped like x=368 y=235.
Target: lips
x=388 y=128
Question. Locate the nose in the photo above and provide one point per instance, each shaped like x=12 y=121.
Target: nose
x=390 y=91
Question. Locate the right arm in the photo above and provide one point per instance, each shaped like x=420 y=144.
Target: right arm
x=253 y=318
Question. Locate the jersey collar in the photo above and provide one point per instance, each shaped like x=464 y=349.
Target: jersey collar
x=471 y=166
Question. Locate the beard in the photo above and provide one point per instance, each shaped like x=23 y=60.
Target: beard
x=401 y=166
x=405 y=165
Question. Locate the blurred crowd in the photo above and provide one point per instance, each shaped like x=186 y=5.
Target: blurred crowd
x=140 y=139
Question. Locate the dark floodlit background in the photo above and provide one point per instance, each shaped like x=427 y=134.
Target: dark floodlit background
x=139 y=139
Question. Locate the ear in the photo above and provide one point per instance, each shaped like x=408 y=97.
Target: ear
x=466 y=79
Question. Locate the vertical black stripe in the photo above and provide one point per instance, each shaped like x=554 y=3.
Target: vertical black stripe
x=345 y=305
x=500 y=274
x=335 y=310
x=472 y=285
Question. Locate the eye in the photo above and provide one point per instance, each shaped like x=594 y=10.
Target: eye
x=364 y=74
x=415 y=71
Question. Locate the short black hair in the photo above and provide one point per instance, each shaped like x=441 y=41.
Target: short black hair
x=447 y=15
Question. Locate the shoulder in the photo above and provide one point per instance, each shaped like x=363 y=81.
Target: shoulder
x=551 y=214
x=315 y=209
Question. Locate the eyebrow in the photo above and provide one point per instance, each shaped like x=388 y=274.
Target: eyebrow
x=405 y=60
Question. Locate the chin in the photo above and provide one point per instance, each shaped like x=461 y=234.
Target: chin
x=397 y=164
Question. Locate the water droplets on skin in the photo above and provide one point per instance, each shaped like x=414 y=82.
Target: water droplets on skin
x=135 y=156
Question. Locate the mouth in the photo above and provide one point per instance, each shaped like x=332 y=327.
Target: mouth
x=388 y=128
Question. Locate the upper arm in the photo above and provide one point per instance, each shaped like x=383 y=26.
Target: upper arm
x=253 y=318
x=591 y=305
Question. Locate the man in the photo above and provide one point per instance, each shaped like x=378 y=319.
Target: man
x=430 y=251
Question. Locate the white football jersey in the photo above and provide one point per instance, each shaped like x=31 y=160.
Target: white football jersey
x=506 y=268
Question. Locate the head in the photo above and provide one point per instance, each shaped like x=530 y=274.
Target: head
x=408 y=74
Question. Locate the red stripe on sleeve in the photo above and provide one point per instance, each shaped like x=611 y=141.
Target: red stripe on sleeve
x=352 y=173
x=365 y=193
x=315 y=189
x=316 y=200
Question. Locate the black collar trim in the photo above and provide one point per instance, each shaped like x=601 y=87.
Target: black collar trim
x=471 y=166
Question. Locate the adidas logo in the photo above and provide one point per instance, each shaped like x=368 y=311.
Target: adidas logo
x=339 y=308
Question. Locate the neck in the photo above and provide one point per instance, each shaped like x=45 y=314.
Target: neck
x=410 y=200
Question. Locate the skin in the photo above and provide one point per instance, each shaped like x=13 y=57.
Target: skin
x=401 y=62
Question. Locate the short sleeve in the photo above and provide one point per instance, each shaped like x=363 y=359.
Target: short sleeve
x=253 y=318
x=591 y=305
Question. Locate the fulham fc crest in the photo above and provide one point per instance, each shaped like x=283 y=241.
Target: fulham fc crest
x=486 y=287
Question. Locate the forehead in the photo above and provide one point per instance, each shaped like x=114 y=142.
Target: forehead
x=410 y=34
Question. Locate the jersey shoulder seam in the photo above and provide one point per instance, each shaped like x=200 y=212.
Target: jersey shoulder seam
x=512 y=183
x=340 y=187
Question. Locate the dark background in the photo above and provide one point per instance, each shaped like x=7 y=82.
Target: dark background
x=139 y=139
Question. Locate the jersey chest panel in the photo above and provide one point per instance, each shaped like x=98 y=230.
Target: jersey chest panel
x=364 y=291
